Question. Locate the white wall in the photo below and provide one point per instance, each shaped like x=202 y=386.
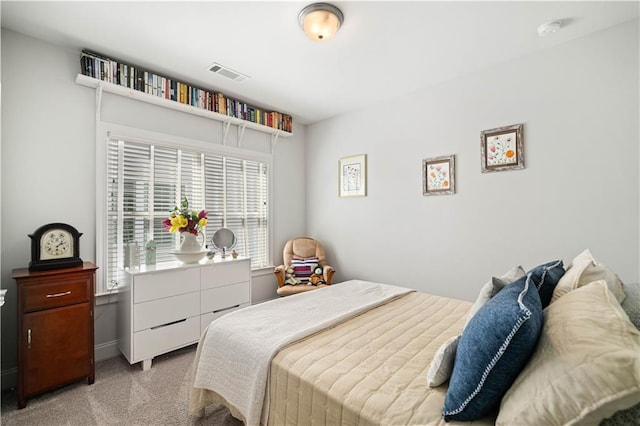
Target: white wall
x=48 y=167
x=579 y=106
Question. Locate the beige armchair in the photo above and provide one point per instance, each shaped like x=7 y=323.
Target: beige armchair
x=301 y=248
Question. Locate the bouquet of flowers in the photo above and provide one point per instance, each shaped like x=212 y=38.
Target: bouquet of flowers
x=182 y=219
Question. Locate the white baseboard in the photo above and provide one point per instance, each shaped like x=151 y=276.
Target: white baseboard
x=106 y=350
x=9 y=377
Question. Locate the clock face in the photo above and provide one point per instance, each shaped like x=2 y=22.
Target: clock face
x=56 y=244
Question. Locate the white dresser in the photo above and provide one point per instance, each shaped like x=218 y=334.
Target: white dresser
x=167 y=306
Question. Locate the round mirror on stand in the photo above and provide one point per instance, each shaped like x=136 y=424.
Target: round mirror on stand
x=224 y=239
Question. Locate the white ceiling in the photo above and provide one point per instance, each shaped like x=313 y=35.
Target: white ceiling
x=384 y=49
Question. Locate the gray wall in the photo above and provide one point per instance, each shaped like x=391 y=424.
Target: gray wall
x=48 y=169
x=580 y=188
x=579 y=106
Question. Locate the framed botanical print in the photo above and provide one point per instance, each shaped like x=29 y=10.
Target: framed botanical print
x=502 y=149
x=352 y=176
x=438 y=175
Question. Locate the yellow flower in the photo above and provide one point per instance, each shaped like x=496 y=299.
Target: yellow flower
x=178 y=222
x=202 y=222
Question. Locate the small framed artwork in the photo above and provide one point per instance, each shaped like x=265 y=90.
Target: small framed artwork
x=502 y=149
x=352 y=176
x=438 y=175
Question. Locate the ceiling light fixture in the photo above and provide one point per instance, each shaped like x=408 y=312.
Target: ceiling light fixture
x=320 y=21
x=549 y=28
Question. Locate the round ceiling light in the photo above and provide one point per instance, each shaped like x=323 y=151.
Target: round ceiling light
x=320 y=21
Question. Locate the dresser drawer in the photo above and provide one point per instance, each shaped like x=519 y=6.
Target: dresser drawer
x=220 y=298
x=222 y=274
x=52 y=293
x=155 y=341
x=163 y=311
x=205 y=319
x=165 y=284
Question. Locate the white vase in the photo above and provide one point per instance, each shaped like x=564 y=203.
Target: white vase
x=190 y=249
x=190 y=243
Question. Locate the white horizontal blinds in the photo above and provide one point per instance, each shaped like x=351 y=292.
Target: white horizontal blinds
x=191 y=179
x=256 y=205
x=165 y=198
x=235 y=201
x=137 y=182
x=214 y=193
x=112 y=238
x=146 y=181
x=236 y=198
x=129 y=179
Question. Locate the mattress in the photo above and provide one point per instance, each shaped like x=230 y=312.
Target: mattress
x=369 y=370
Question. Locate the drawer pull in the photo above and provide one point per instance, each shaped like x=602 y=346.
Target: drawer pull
x=66 y=293
x=226 y=309
x=29 y=339
x=168 y=324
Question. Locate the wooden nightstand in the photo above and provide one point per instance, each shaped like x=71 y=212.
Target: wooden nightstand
x=55 y=328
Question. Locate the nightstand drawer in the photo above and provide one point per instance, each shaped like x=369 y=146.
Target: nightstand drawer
x=223 y=274
x=165 y=284
x=155 y=341
x=52 y=293
x=225 y=297
x=163 y=311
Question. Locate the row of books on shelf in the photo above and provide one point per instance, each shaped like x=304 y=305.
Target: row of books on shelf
x=133 y=77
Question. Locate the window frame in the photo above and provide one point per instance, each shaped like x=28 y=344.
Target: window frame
x=106 y=131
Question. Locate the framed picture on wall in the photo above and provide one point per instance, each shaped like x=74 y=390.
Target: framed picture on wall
x=438 y=175
x=352 y=176
x=502 y=149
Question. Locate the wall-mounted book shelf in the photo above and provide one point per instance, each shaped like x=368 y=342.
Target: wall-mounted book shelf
x=167 y=103
x=128 y=80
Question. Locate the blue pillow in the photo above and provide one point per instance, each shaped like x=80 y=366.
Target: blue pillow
x=494 y=347
x=545 y=278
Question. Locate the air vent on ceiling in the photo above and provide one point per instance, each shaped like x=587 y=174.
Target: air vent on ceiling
x=229 y=73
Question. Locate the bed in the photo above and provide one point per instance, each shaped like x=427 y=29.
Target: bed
x=369 y=365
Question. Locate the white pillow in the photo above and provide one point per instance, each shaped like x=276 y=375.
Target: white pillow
x=583 y=270
x=492 y=288
x=442 y=365
x=586 y=365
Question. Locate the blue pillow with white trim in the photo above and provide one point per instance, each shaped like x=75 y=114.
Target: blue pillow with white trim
x=495 y=346
x=546 y=277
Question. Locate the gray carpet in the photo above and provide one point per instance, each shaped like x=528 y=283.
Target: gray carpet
x=121 y=394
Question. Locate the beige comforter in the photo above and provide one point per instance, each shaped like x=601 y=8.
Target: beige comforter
x=235 y=352
x=370 y=370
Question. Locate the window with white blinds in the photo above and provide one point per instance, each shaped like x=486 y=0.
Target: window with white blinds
x=145 y=181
